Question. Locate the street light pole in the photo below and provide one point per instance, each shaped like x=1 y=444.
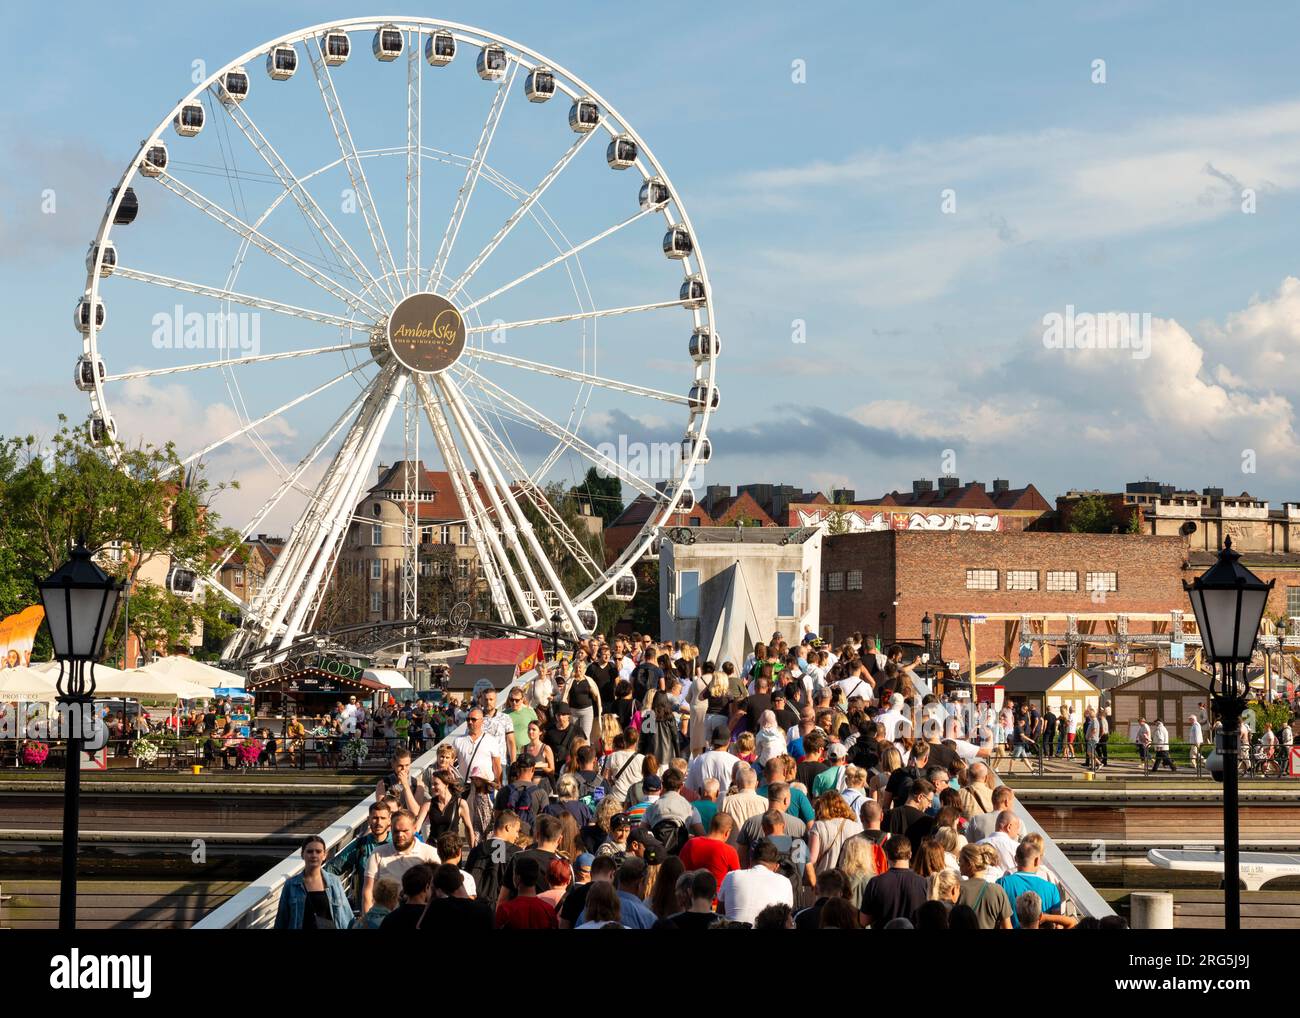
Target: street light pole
x=79 y=599
x=1229 y=602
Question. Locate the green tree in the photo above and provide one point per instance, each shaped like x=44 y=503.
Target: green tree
x=837 y=520
x=1091 y=515
x=602 y=495
x=140 y=508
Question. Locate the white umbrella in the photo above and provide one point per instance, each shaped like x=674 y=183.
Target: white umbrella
x=50 y=669
x=26 y=684
x=196 y=672
x=138 y=684
x=390 y=678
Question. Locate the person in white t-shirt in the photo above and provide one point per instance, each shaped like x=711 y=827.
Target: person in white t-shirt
x=717 y=763
x=745 y=893
x=542 y=688
x=477 y=753
x=397 y=856
x=1004 y=840
x=894 y=717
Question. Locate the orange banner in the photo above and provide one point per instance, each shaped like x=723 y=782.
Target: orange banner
x=17 y=633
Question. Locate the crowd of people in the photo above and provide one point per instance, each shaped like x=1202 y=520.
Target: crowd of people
x=634 y=785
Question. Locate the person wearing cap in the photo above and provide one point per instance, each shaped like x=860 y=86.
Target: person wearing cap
x=832 y=778
x=787 y=715
x=641 y=844
x=652 y=785
x=717 y=763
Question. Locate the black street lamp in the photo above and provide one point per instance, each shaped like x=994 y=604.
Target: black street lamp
x=556 y=619
x=79 y=599
x=1229 y=600
x=926 y=631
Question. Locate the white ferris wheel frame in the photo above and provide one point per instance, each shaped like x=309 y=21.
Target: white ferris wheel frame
x=279 y=621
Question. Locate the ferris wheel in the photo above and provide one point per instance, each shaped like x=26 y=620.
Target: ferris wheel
x=394 y=241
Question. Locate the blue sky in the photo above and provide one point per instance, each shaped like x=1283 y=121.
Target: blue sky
x=819 y=203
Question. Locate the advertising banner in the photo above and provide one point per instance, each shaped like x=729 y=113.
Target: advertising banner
x=17 y=633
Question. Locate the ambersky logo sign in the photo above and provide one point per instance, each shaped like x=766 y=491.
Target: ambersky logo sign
x=75 y=971
x=426 y=333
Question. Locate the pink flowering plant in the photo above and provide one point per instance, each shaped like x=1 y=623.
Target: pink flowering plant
x=35 y=753
x=249 y=751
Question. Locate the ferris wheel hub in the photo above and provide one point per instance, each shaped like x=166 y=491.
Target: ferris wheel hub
x=426 y=333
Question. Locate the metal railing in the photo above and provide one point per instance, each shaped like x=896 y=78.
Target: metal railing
x=255 y=907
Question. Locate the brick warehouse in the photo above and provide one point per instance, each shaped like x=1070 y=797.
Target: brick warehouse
x=906 y=573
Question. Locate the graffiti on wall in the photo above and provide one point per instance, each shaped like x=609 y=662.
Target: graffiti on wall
x=866 y=520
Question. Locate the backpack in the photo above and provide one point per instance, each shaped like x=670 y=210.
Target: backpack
x=671 y=833
x=520 y=799
x=487 y=871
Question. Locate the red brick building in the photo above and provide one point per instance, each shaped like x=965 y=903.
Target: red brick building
x=907 y=573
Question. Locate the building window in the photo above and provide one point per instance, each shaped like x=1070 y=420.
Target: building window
x=1293 y=601
x=981 y=579
x=426 y=535
x=1067 y=580
x=834 y=581
x=239 y=576
x=445 y=535
x=376 y=534
x=462 y=568
x=376 y=568
x=376 y=602
x=464 y=533
x=853 y=579
x=1022 y=579
x=1102 y=581
x=426 y=569
x=785 y=594
x=688 y=594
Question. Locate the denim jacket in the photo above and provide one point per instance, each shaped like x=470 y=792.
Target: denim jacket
x=293 y=902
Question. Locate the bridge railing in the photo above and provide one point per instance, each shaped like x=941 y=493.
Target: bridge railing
x=255 y=907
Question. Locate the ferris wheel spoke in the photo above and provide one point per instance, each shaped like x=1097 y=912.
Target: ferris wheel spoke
x=520 y=532
x=356 y=172
x=631 y=389
x=472 y=172
x=296 y=475
x=255 y=236
x=308 y=205
x=301 y=593
x=576 y=316
x=562 y=256
x=130 y=376
x=414 y=94
x=532 y=601
x=245 y=299
x=274 y=413
x=491 y=556
x=537 y=497
x=544 y=424
x=529 y=200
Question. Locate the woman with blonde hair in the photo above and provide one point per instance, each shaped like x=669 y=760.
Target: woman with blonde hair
x=834 y=825
x=718 y=703
x=986 y=899
x=944 y=886
x=951 y=842
x=610 y=729
x=890 y=760
x=858 y=863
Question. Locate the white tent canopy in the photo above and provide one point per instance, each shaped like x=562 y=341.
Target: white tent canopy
x=139 y=684
x=50 y=669
x=27 y=684
x=390 y=678
x=196 y=672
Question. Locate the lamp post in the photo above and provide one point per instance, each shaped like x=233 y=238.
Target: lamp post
x=556 y=619
x=1229 y=600
x=79 y=599
x=926 y=630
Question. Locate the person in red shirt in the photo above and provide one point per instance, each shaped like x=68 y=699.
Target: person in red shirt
x=712 y=851
x=526 y=911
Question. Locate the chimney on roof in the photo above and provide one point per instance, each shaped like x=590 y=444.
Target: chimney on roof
x=383 y=469
x=1213 y=492
x=843 y=496
x=947 y=483
x=1000 y=485
x=921 y=487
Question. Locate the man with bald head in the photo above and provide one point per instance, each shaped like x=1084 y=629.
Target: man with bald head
x=977 y=796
